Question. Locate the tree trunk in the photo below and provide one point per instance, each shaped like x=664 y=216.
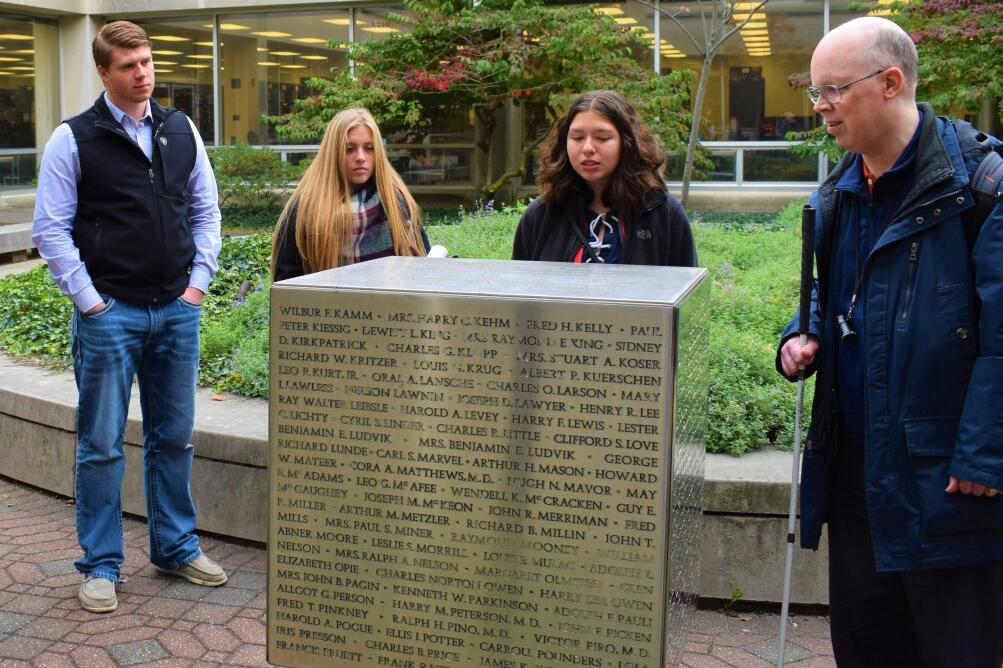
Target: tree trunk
x=695 y=126
x=491 y=188
x=486 y=115
x=989 y=117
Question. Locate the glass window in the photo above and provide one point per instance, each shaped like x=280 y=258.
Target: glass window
x=29 y=51
x=182 y=58
x=779 y=165
x=748 y=95
x=28 y=113
x=376 y=23
x=723 y=166
x=266 y=62
x=432 y=165
x=638 y=17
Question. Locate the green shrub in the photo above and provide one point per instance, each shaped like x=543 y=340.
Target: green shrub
x=754 y=269
x=253 y=184
x=35 y=317
x=754 y=272
x=234 y=334
x=249 y=218
x=235 y=348
x=480 y=234
x=240 y=259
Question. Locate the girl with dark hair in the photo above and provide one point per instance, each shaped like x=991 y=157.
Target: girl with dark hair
x=603 y=199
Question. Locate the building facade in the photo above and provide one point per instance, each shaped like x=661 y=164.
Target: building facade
x=226 y=63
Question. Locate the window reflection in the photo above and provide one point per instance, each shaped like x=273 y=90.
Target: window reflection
x=779 y=165
x=375 y=23
x=266 y=59
x=431 y=165
x=28 y=113
x=182 y=59
x=723 y=168
x=266 y=62
x=748 y=96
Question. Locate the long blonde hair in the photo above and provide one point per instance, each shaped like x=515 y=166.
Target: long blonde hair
x=322 y=200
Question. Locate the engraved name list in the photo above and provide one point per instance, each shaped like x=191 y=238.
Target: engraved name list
x=460 y=482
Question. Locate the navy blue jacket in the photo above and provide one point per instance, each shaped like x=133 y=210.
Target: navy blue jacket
x=933 y=349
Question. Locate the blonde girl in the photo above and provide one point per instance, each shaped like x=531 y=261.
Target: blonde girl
x=350 y=206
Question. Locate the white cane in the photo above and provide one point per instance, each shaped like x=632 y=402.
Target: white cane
x=807 y=265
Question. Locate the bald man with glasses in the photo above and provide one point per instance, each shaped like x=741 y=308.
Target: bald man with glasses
x=904 y=458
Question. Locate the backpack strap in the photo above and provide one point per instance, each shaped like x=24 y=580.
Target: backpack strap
x=985 y=165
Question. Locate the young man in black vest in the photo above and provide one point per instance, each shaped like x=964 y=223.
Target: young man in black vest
x=126 y=215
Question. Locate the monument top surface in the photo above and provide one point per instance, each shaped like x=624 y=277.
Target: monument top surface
x=510 y=278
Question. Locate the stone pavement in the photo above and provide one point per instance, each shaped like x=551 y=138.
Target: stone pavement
x=166 y=622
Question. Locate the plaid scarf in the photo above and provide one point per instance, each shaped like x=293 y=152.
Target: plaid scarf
x=371 y=237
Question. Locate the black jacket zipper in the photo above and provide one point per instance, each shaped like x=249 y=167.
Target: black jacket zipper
x=913 y=257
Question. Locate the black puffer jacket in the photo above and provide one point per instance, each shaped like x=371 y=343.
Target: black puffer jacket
x=658 y=234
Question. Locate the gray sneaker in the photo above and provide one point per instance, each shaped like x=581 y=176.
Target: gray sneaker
x=203 y=571
x=97 y=595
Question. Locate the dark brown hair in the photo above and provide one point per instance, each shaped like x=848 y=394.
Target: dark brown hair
x=117 y=34
x=641 y=158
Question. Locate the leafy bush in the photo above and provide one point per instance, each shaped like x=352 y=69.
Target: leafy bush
x=755 y=270
x=241 y=258
x=235 y=334
x=484 y=233
x=235 y=348
x=753 y=261
x=253 y=184
x=249 y=219
x=35 y=317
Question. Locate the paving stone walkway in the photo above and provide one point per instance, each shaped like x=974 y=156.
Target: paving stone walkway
x=169 y=623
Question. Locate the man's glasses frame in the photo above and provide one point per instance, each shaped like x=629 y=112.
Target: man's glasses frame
x=833 y=93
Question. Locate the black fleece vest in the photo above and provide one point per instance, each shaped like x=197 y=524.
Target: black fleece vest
x=132 y=225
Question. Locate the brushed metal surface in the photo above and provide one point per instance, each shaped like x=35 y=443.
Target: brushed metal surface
x=508 y=278
x=485 y=473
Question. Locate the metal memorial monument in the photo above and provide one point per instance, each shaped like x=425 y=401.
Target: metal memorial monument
x=480 y=463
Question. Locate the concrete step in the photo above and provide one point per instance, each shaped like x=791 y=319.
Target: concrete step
x=15 y=242
x=18 y=267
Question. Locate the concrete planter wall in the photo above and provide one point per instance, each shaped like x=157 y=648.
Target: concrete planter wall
x=745 y=500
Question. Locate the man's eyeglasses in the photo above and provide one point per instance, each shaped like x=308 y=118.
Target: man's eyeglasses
x=832 y=92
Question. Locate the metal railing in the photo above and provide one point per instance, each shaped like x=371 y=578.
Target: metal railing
x=766 y=165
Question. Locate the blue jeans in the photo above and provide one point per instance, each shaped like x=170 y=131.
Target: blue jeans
x=159 y=344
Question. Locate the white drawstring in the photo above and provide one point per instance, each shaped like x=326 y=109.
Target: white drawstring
x=594 y=231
